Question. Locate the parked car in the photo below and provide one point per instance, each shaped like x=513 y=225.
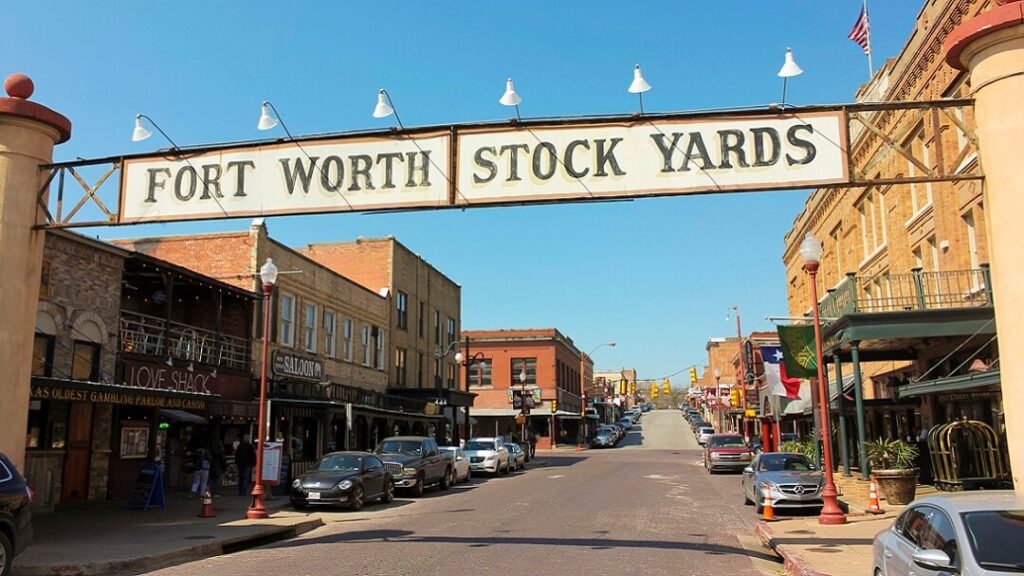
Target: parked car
x=604 y=438
x=488 y=455
x=415 y=462
x=726 y=452
x=626 y=422
x=460 y=463
x=615 y=431
x=343 y=479
x=621 y=430
x=704 y=434
x=516 y=457
x=960 y=533
x=790 y=478
x=15 y=514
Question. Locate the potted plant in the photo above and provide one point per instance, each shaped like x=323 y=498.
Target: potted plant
x=892 y=464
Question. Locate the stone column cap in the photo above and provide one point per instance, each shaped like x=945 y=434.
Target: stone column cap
x=1009 y=14
x=19 y=88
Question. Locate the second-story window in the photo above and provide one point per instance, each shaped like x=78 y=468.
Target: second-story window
x=419 y=369
x=450 y=370
x=451 y=330
x=310 y=326
x=286 y=320
x=402 y=307
x=378 y=340
x=330 y=334
x=366 y=345
x=347 y=339
x=85 y=364
x=480 y=373
x=42 y=355
x=437 y=326
x=401 y=367
x=421 y=319
x=531 y=371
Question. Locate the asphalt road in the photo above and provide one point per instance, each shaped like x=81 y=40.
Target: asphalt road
x=646 y=507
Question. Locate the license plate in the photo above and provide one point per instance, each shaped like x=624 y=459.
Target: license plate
x=313 y=496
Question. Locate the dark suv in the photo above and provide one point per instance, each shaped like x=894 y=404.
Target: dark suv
x=15 y=514
x=415 y=462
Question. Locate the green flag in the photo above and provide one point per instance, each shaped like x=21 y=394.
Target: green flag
x=798 y=351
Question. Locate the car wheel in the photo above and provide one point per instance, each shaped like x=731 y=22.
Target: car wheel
x=506 y=470
x=417 y=489
x=389 y=493
x=746 y=499
x=469 y=475
x=357 y=498
x=6 y=555
x=298 y=505
x=446 y=479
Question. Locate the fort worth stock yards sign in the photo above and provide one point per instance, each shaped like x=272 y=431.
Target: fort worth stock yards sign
x=464 y=166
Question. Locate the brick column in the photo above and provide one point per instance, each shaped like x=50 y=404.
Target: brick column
x=28 y=133
x=991 y=47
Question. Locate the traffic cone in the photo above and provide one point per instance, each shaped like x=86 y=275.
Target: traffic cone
x=873 y=506
x=769 y=510
x=579 y=448
x=207 y=509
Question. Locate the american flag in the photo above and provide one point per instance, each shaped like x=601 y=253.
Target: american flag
x=861 y=33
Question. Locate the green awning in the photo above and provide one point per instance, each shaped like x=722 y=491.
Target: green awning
x=950 y=384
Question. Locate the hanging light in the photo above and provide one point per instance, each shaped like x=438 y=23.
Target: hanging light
x=788 y=70
x=383 y=109
x=510 y=97
x=140 y=133
x=639 y=86
x=267 y=121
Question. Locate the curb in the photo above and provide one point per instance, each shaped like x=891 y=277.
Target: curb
x=173 y=557
x=791 y=561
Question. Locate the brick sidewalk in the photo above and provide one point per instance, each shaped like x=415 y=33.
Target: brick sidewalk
x=810 y=549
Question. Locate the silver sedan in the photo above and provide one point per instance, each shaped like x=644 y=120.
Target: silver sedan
x=970 y=534
x=790 y=479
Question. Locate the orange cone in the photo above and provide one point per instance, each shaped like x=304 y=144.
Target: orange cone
x=207 y=509
x=873 y=506
x=769 y=510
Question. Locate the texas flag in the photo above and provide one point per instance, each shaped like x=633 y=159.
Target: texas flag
x=775 y=374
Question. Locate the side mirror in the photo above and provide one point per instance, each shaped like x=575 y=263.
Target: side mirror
x=932 y=560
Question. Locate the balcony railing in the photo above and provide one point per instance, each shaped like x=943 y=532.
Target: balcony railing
x=918 y=290
x=142 y=334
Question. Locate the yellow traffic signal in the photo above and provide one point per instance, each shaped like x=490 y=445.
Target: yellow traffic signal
x=666 y=387
x=654 y=390
x=632 y=387
x=554 y=406
x=734 y=398
x=693 y=375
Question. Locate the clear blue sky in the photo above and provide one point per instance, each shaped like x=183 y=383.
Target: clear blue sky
x=655 y=275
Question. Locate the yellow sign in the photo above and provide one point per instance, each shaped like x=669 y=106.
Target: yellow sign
x=750 y=413
x=520 y=418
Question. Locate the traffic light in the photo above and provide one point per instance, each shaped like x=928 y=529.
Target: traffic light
x=623 y=388
x=734 y=398
x=693 y=375
x=632 y=387
x=554 y=406
x=666 y=387
x=654 y=390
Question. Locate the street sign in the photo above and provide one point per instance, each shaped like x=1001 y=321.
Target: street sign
x=520 y=418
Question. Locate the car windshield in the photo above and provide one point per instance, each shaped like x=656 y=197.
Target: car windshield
x=779 y=462
x=479 y=445
x=707 y=430
x=988 y=533
x=408 y=447
x=728 y=441
x=339 y=462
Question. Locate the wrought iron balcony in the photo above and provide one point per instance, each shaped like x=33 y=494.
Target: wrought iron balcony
x=917 y=290
x=142 y=334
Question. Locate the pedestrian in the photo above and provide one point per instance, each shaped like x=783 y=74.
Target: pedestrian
x=533 y=444
x=245 y=458
x=218 y=463
x=201 y=461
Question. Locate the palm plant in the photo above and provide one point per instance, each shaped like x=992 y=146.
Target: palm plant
x=886 y=454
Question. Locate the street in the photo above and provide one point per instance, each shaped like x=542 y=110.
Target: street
x=646 y=507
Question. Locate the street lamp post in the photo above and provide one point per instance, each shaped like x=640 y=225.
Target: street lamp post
x=718 y=397
x=467 y=360
x=440 y=354
x=522 y=401
x=810 y=252
x=256 y=511
x=742 y=378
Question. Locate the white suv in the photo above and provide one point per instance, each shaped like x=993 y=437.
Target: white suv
x=704 y=434
x=487 y=455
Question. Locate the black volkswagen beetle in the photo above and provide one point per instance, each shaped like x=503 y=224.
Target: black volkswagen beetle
x=343 y=478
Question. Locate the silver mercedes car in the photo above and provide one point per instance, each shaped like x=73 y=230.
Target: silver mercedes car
x=791 y=479
x=966 y=533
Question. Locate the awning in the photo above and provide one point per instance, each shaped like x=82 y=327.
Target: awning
x=798 y=407
x=567 y=415
x=494 y=412
x=949 y=384
x=182 y=416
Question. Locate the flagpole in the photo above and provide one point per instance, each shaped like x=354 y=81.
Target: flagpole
x=871 y=68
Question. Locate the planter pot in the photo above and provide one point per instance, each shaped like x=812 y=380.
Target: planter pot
x=898 y=486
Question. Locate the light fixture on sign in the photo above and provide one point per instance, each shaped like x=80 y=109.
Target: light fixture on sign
x=639 y=86
x=511 y=97
x=266 y=120
x=385 y=107
x=140 y=133
x=789 y=69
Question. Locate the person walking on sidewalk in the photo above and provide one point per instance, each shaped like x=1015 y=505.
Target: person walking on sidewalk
x=533 y=443
x=201 y=459
x=245 y=458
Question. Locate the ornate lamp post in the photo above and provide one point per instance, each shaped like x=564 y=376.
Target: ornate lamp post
x=440 y=354
x=583 y=387
x=256 y=511
x=810 y=252
x=467 y=360
x=718 y=398
x=522 y=401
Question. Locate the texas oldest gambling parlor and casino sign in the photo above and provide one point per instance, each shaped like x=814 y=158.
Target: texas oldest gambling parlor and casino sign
x=462 y=166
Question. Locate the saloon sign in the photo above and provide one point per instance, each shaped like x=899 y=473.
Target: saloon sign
x=292 y=366
x=462 y=166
